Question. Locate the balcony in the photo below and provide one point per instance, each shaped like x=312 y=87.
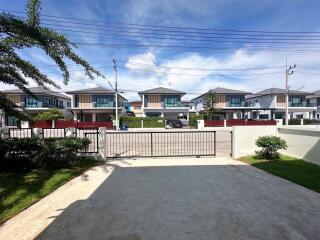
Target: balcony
x=242 y=104
x=104 y=105
x=302 y=104
x=173 y=105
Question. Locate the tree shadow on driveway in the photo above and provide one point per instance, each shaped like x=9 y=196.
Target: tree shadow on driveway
x=191 y=202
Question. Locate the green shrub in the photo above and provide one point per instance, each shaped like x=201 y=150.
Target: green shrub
x=59 y=152
x=148 y=122
x=51 y=114
x=297 y=121
x=193 y=120
x=270 y=146
x=28 y=153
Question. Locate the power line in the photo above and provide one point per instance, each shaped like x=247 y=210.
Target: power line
x=202 y=75
x=263 y=41
x=172 y=27
x=220 y=35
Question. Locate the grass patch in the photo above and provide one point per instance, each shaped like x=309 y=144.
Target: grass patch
x=293 y=169
x=19 y=190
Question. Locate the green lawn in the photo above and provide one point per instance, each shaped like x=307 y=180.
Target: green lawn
x=295 y=170
x=20 y=190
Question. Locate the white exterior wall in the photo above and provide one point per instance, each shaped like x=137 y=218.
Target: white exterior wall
x=303 y=142
x=267 y=101
x=244 y=138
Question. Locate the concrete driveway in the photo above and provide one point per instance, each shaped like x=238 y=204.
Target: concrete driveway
x=175 y=198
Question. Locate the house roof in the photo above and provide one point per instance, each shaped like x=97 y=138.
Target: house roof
x=220 y=90
x=273 y=91
x=161 y=90
x=95 y=90
x=314 y=94
x=36 y=91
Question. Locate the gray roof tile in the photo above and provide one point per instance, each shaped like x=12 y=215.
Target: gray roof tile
x=36 y=91
x=161 y=90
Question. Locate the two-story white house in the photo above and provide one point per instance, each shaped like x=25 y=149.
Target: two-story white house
x=271 y=103
x=44 y=100
x=163 y=102
x=95 y=104
x=229 y=103
x=314 y=99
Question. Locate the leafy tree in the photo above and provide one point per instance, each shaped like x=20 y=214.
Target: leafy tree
x=51 y=114
x=209 y=104
x=17 y=33
x=270 y=145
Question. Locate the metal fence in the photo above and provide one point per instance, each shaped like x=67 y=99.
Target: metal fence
x=53 y=132
x=160 y=144
x=20 y=132
x=93 y=135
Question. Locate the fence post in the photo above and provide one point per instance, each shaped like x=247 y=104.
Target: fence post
x=37 y=132
x=200 y=124
x=102 y=142
x=70 y=132
x=141 y=123
x=215 y=144
x=4 y=132
x=224 y=123
x=151 y=145
x=301 y=121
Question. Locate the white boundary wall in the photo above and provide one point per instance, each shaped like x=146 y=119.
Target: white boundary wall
x=303 y=142
x=244 y=138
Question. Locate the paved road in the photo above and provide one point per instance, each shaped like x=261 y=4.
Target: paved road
x=173 y=198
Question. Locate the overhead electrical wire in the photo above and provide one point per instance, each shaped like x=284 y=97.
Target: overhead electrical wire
x=171 y=27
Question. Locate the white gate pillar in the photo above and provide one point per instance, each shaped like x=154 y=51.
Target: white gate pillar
x=102 y=141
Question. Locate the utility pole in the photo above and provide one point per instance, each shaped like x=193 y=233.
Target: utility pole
x=289 y=71
x=116 y=91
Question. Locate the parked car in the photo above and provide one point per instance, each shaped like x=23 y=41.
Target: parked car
x=174 y=123
x=184 y=122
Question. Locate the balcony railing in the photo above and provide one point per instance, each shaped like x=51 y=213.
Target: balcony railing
x=104 y=105
x=302 y=104
x=242 y=104
x=41 y=105
x=172 y=105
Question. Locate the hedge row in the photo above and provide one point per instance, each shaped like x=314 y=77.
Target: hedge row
x=148 y=122
x=297 y=121
x=27 y=153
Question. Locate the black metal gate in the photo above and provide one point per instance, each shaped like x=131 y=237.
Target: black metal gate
x=93 y=135
x=160 y=144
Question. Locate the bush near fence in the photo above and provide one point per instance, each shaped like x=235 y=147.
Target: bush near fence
x=193 y=120
x=297 y=121
x=148 y=122
x=27 y=153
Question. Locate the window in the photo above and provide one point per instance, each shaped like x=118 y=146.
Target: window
x=11 y=121
x=60 y=104
x=45 y=102
x=76 y=101
x=171 y=101
x=296 y=101
x=103 y=101
x=30 y=102
x=137 y=107
x=235 y=101
x=68 y=104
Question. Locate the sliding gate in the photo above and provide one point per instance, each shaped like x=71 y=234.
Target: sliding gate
x=160 y=144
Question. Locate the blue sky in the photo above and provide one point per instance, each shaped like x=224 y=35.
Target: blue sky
x=181 y=68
